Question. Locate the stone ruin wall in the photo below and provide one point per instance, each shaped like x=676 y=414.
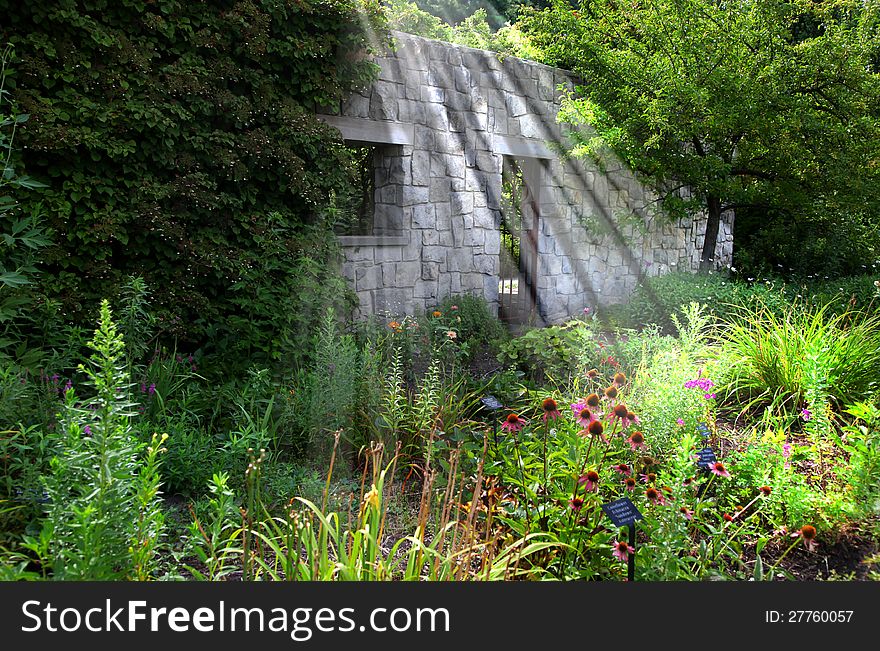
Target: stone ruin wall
x=445 y=115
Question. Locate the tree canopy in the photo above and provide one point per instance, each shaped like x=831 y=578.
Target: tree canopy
x=726 y=105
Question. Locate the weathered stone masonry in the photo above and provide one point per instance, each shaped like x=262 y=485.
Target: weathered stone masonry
x=445 y=116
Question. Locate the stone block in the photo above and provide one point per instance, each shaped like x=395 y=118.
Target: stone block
x=492 y=242
x=383 y=254
x=420 y=164
x=368 y=278
x=424 y=216
x=439 y=190
x=426 y=290
x=461 y=202
x=463 y=79
x=437 y=117
x=430 y=270
x=356 y=106
x=486 y=264
x=488 y=162
x=434 y=253
x=433 y=94
x=411 y=195
x=407 y=273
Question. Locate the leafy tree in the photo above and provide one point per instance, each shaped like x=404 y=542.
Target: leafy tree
x=725 y=105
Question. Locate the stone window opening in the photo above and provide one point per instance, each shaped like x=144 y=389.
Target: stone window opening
x=370 y=206
x=519 y=255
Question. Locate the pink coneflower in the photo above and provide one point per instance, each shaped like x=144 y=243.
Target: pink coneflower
x=592 y=401
x=619 y=378
x=585 y=417
x=592 y=373
x=649 y=477
x=512 y=423
x=688 y=481
x=611 y=392
x=630 y=483
x=687 y=513
x=808 y=534
x=590 y=481
x=576 y=503
x=680 y=422
x=654 y=496
x=765 y=491
x=551 y=409
x=636 y=440
x=622 y=550
x=596 y=428
x=718 y=468
x=623 y=469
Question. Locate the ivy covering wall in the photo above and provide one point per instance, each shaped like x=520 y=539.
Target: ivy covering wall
x=178 y=141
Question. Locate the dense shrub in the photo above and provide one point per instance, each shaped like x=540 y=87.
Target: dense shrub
x=179 y=143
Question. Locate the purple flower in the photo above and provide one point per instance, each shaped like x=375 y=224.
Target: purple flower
x=709 y=396
x=143 y=387
x=806 y=414
x=87 y=430
x=68 y=386
x=702 y=383
x=680 y=421
x=151 y=389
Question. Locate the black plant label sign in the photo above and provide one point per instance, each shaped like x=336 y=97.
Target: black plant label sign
x=703 y=430
x=705 y=458
x=491 y=402
x=622 y=512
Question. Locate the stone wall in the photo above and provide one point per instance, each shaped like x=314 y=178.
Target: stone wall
x=445 y=116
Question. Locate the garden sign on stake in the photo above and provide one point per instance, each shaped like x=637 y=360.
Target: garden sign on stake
x=705 y=458
x=623 y=513
x=492 y=405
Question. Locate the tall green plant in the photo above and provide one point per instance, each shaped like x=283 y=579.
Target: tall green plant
x=102 y=520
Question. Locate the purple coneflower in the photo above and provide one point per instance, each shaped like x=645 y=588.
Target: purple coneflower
x=636 y=440
x=622 y=550
x=807 y=533
x=654 y=496
x=551 y=409
x=512 y=423
x=590 y=481
x=717 y=468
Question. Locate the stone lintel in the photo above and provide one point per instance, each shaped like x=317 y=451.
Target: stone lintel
x=524 y=147
x=372 y=240
x=371 y=131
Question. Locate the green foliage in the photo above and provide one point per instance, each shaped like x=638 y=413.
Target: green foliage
x=659 y=394
x=472 y=27
x=22 y=233
x=733 y=103
x=472 y=321
x=862 y=443
x=658 y=298
x=213 y=537
x=548 y=353
x=179 y=144
x=102 y=519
